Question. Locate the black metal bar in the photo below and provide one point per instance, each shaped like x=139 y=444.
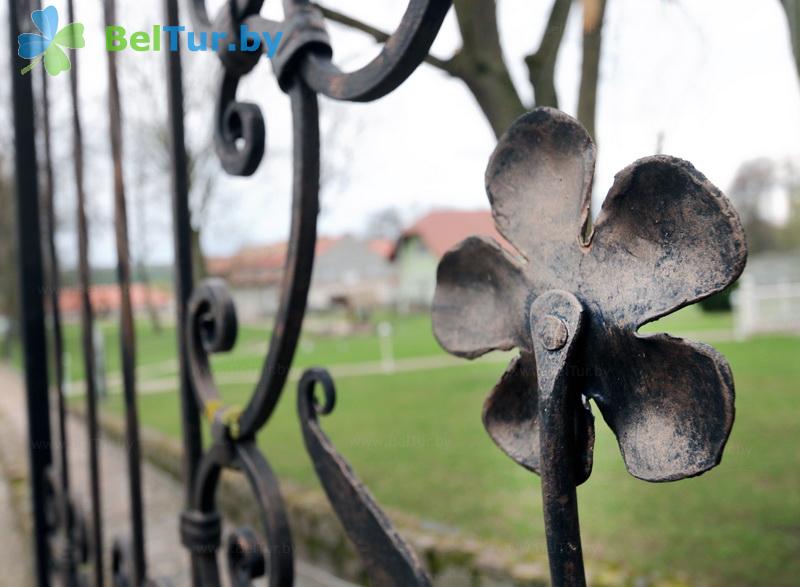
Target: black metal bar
x=31 y=272
x=388 y=559
x=184 y=282
x=87 y=321
x=555 y=320
x=127 y=333
x=67 y=562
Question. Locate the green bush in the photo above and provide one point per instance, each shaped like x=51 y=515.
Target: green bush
x=720 y=302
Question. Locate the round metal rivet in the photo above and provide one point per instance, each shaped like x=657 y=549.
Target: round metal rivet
x=553 y=333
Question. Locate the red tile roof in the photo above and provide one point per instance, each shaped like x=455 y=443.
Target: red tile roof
x=260 y=264
x=382 y=247
x=107 y=298
x=441 y=230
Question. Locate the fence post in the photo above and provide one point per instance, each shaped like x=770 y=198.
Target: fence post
x=31 y=272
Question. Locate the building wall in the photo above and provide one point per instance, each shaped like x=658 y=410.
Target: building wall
x=416 y=268
x=256 y=302
x=350 y=273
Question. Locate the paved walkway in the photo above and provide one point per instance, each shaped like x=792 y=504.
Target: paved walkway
x=150 y=382
x=161 y=378
x=162 y=493
x=14 y=554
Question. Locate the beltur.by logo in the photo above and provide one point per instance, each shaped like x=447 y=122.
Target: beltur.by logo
x=247 y=42
x=49 y=46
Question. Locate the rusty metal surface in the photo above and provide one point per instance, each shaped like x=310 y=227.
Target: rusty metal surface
x=129 y=564
x=665 y=238
x=87 y=323
x=31 y=282
x=389 y=560
x=555 y=322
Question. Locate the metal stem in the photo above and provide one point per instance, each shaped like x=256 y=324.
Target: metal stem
x=31 y=282
x=87 y=322
x=68 y=564
x=127 y=329
x=555 y=323
x=184 y=281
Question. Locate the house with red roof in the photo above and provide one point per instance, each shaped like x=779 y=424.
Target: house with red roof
x=353 y=273
x=349 y=273
x=106 y=299
x=417 y=252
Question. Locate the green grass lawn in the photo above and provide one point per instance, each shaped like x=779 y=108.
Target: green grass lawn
x=159 y=348
x=411 y=338
x=417 y=441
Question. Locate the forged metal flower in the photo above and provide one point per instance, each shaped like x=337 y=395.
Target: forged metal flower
x=665 y=238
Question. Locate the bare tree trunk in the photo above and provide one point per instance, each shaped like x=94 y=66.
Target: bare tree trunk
x=198 y=261
x=141 y=265
x=480 y=63
x=542 y=63
x=793 y=15
x=593 y=14
x=147 y=284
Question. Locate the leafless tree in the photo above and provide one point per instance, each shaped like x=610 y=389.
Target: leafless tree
x=150 y=129
x=385 y=224
x=480 y=62
x=755 y=181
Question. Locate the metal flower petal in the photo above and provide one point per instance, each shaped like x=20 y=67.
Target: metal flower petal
x=669 y=235
x=511 y=417
x=480 y=300
x=670 y=403
x=480 y=304
x=666 y=238
x=539 y=181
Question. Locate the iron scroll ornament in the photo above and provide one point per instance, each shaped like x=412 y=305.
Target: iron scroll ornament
x=304 y=68
x=572 y=299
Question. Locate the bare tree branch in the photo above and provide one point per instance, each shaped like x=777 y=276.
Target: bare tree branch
x=542 y=63
x=593 y=14
x=480 y=63
x=379 y=35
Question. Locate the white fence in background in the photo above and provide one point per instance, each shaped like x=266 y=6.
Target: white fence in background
x=760 y=308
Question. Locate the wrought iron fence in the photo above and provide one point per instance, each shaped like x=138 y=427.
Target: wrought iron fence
x=666 y=236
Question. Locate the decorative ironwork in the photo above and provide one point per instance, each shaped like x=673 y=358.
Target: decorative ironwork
x=570 y=299
x=304 y=68
x=389 y=560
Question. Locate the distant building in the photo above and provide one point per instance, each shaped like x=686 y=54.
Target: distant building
x=254 y=277
x=353 y=274
x=768 y=297
x=106 y=299
x=772 y=268
x=348 y=273
x=419 y=249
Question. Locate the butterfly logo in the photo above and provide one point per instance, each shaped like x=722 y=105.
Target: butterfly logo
x=49 y=46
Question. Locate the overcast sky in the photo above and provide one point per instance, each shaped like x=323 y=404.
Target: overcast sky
x=715 y=77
